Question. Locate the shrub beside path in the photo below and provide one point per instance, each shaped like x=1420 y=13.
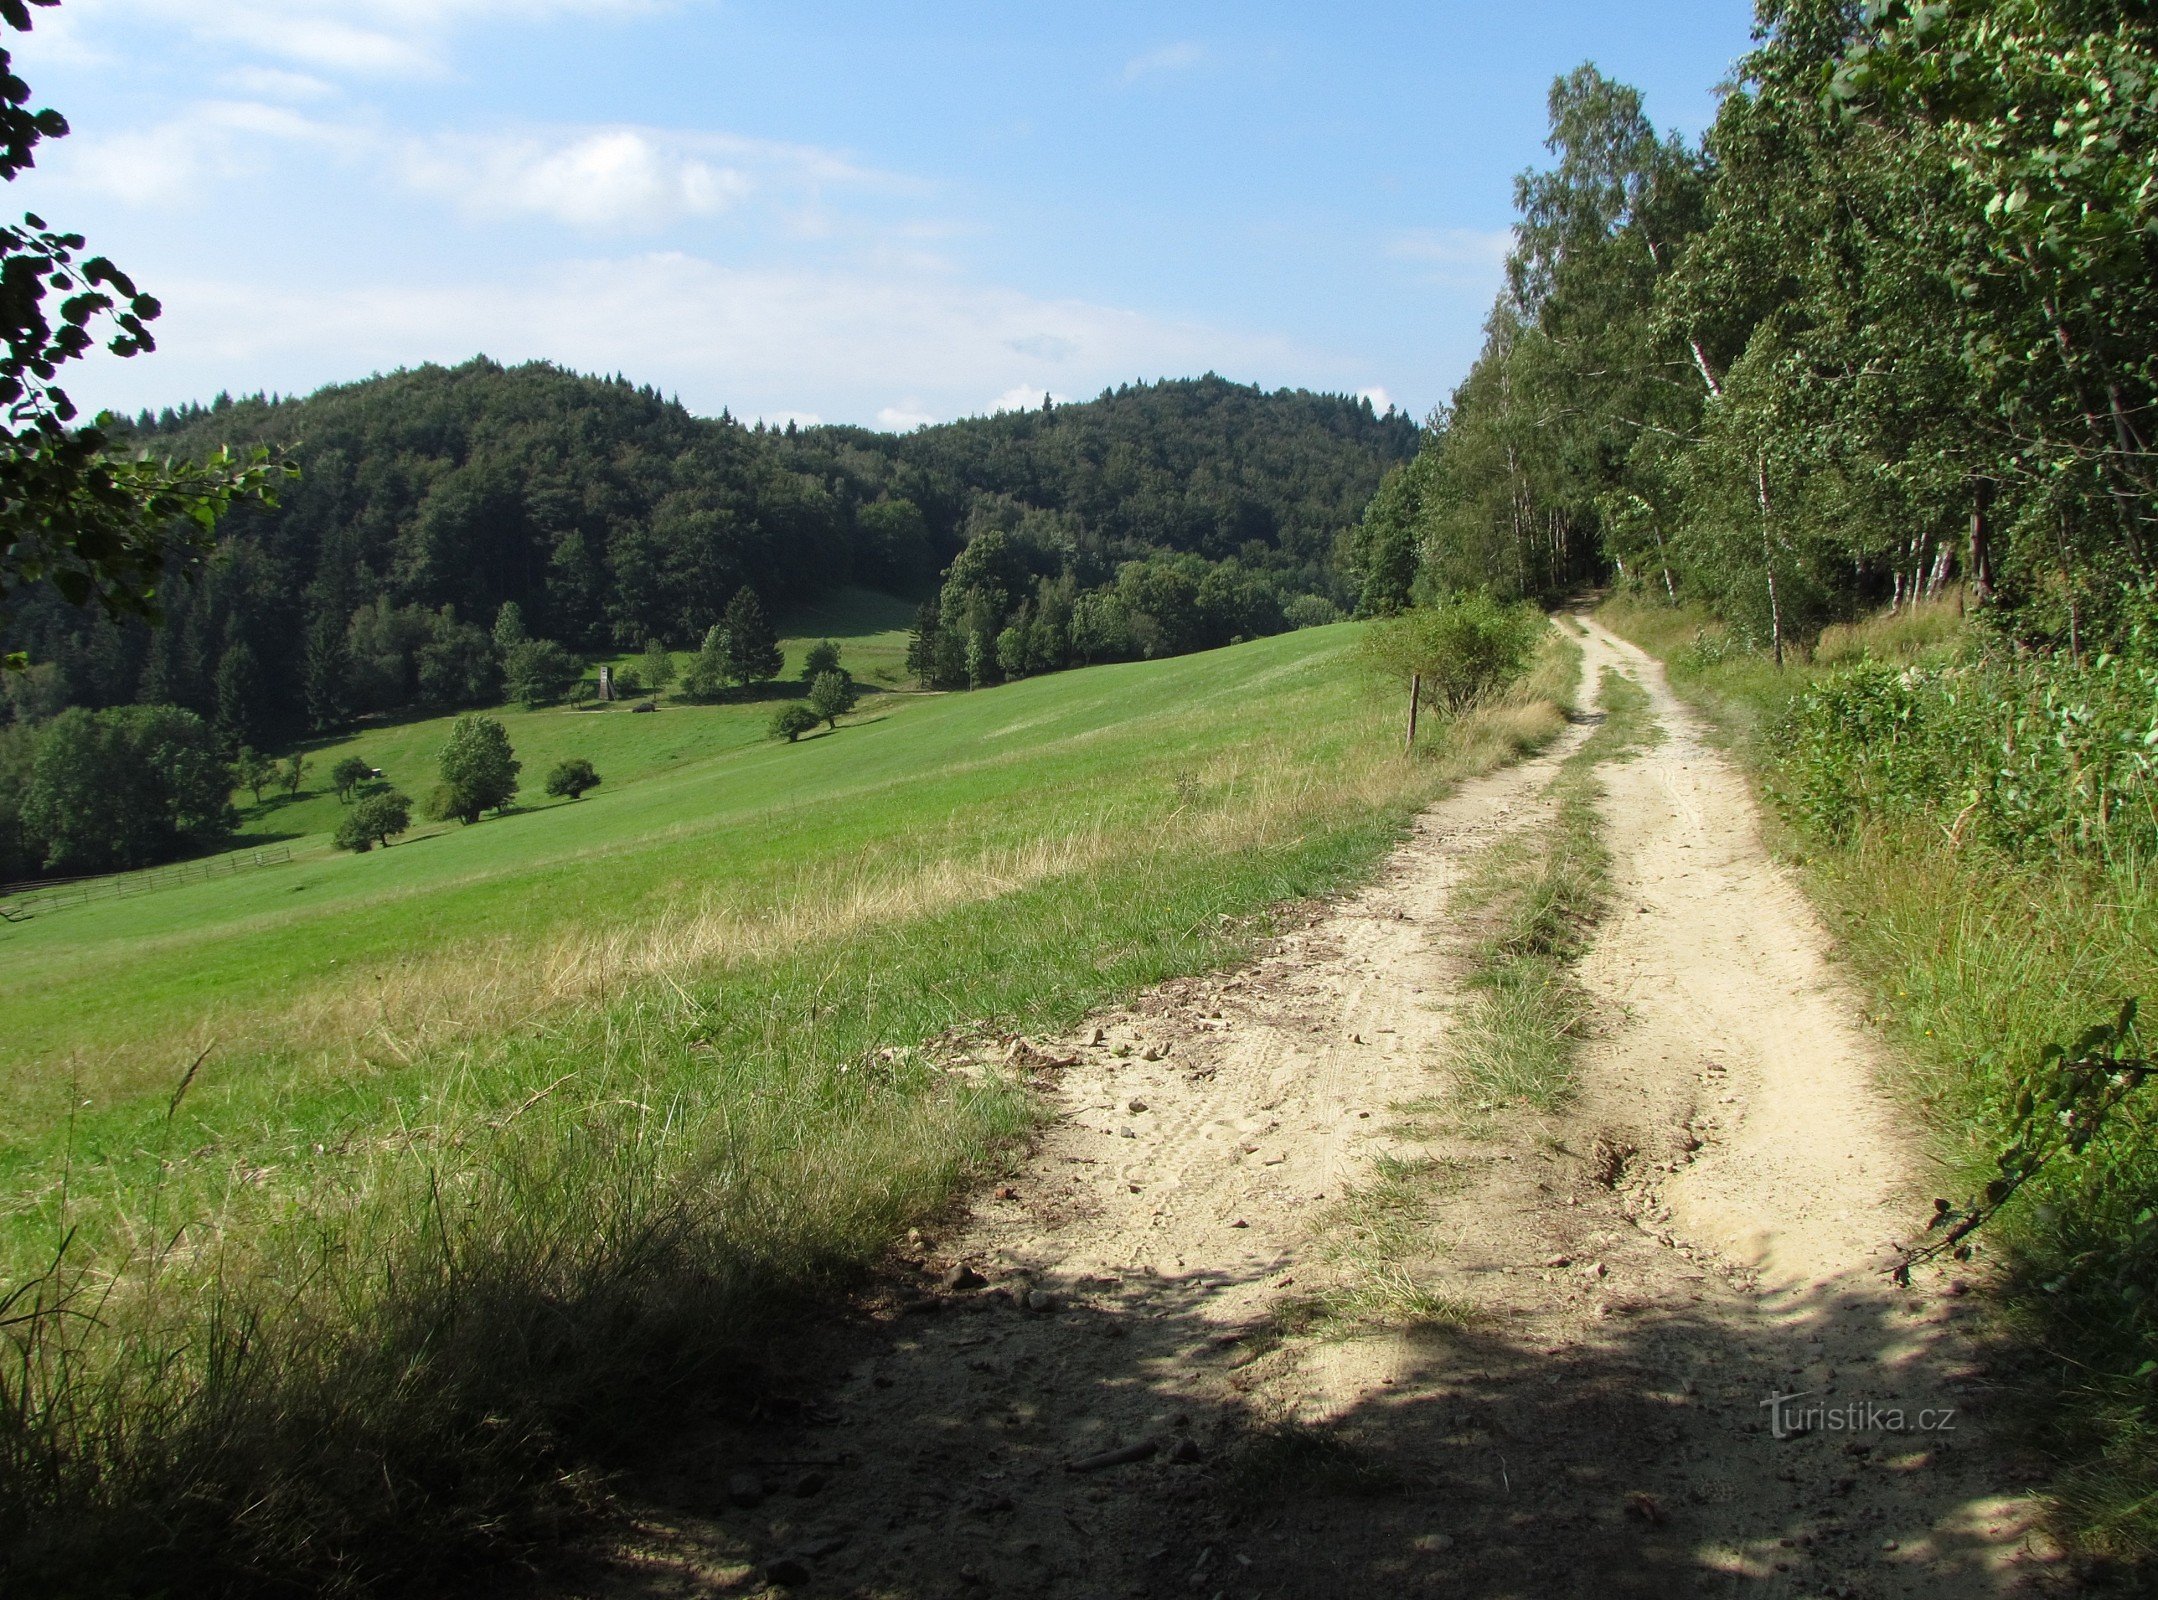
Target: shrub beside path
x=1274 y=1308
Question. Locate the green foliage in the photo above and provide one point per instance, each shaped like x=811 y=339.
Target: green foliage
x=1310 y=611
x=823 y=657
x=751 y=646
x=254 y=771
x=570 y=779
x=1378 y=555
x=348 y=775
x=706 y=678
x=509 y=630
x=93 y=523
x=239 y=691
x=1892 y=327
x=608 y=516
x=2071 y=1095
x=377 y=819
x=2042 y=760
x=792 y=720
x=831 y=696
x=326 y=675
x=539 y=672
x=1464 y=649
x=479 y=770
x=656 y=665
x=293 y=772
x=128 y=787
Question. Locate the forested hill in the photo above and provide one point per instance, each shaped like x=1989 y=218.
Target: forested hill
x=611 y=516
x=1204 y=465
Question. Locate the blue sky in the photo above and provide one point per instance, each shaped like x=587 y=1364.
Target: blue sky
x=853 y=213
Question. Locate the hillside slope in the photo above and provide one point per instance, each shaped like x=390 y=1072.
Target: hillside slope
x=611 y=516
x=505 y=1146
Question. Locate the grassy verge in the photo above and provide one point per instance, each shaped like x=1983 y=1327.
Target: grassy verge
x=532 y=1143
x=1974 y=964
x=1541 y=892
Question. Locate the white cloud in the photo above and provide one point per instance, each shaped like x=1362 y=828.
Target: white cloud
x=1381 y=401
x=607 y=178
x=1020 y=397
x=276 y=83
x=1179 y=57
x=361 y=38
x=611 y=178
x=761 y=342
x=1459 y=257
x=169 y=165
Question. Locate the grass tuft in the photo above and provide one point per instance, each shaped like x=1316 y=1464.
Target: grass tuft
x=1295 y=1461
x=1541 y=893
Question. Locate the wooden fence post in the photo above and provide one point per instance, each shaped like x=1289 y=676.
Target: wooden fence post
x=1416 y=693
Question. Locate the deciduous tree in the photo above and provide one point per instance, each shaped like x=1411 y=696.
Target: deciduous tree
x=479 y=770
x=832 y=696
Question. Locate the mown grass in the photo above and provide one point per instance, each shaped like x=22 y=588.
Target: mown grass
x=1974 y=964
x=1540 y=895
x=869 y=626
x=518 y=1144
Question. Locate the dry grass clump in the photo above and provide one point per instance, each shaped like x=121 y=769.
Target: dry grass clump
x=1909 y=633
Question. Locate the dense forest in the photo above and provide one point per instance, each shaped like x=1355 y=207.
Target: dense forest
x=609 y=516
x=1892 y=325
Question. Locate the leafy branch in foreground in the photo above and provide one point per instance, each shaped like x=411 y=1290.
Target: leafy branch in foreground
x=94 y=525
x=2072 y=1092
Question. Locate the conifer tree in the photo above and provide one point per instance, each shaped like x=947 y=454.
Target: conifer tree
x=753 y=653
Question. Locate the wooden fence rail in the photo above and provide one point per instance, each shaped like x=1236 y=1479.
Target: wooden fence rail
x=21 y=901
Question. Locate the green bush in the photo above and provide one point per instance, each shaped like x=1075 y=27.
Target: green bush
x=823 y=657
x=831 y=697
x=2038 y=758
x=125 y=787
x=375 y=820
x=347 y=776
x=539 y=671
x=571 y=778
x=1463 y=649
x=792 y=720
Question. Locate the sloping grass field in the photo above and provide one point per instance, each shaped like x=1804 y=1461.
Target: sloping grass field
x=511 y=1142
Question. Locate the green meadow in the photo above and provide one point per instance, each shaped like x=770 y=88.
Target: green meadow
x=511 y=1141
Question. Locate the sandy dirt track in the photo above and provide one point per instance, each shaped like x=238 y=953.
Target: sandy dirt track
x=1103 y=1381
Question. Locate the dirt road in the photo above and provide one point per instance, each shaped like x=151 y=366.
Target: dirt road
x=1157 y=1361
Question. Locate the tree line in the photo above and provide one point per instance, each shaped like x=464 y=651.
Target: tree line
x=609 y=516
x=1890 y=325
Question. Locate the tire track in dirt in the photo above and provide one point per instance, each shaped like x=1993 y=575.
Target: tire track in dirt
x=1089 y=1390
